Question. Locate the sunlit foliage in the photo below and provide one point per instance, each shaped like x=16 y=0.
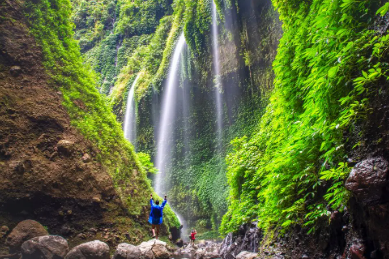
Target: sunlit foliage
x=329 y=65
x=89 y=111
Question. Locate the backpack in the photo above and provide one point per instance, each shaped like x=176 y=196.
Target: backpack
x=156 y=213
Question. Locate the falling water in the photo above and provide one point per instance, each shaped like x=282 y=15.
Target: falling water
x=166 y=124
x=217 y=80
x=186 y=106
x=130 y=117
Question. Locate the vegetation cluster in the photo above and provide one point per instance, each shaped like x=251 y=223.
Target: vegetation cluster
x=329 y=68
x=89 y=111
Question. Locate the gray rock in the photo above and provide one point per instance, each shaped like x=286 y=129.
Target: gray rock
x=154 y=249
x=45 y=247
x=246 y=239
x=368 y=179
x=246 y=255
x=24 y=231
x=127 y=251
x=90 y=250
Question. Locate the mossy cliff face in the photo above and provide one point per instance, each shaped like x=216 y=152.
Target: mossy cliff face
x=249 y=34
x=57 y=164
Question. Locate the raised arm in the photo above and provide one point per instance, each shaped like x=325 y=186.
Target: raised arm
x=151 y=200
x=164 y=202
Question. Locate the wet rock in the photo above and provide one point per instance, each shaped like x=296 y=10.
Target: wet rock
x=357 y=251
x=247 y=239
x=65 y=147
x=24 y=231
x=246 y=255
x=368 y=179
x=127 y=251
x=15 y=71
x=90 y=250
x=45 y=247
x=180 y=243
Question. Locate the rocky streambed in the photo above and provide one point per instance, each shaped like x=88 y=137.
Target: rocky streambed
x=30 y=240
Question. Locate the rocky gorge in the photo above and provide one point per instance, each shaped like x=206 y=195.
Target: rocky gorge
x=265 y=123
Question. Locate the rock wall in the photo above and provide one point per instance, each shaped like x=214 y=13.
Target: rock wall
x=48 y=171
x=360 y=232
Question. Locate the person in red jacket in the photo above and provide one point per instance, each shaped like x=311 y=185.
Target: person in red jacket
x=193 y=236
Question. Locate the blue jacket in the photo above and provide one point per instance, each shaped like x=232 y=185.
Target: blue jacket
x=154 y=219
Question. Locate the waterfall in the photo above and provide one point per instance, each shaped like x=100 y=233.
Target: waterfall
x=130 y=116
x=165 y=135
x=186 y=106
x=217 y=79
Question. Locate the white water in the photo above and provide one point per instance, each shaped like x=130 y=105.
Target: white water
x=166 y=124
x=130 y=116
x=217 y=81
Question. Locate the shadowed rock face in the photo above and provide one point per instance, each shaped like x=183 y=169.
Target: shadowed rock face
x=247 y=239
x=368 y=179
x=48 y=171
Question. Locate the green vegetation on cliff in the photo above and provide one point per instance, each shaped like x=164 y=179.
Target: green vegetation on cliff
x=329 y=66
x=199 y=185
x=89 y=111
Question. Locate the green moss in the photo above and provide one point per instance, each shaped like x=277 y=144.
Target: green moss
x=329 y=63
x=50 y=24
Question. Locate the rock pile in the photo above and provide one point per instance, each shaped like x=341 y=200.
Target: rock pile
x=30 y=240
x=204 y=250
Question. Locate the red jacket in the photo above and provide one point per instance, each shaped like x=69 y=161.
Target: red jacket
x=193 y=234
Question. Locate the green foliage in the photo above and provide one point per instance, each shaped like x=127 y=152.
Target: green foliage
x=329 y=64
x=107 y=29
x=151 y=61
x=140 y=17
x=49 y=22
x=148 y=166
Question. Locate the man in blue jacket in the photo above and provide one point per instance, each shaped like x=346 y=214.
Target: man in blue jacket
x=156 y=215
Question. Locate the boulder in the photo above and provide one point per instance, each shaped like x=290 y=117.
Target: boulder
x=127 y=251
x=160 y=251
x=24 y=231
x=180 y=243
x=45 y=247
x=368 y=179
x=90 y=250
x=65 y=147
x=154 y=249
x=246 y=255
x=246 y=239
